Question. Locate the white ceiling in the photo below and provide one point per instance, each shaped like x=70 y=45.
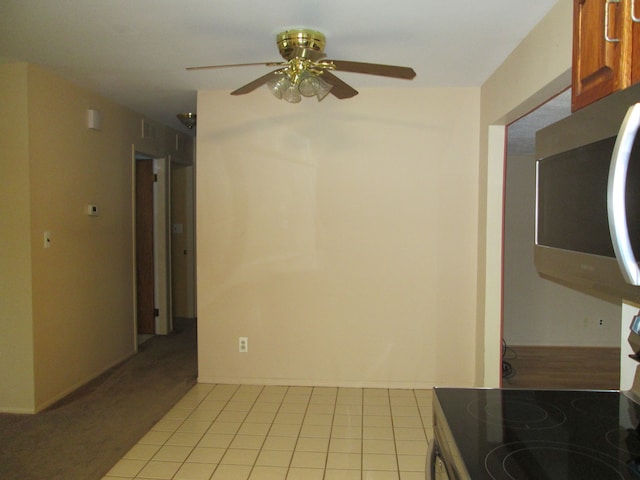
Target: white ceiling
x=135 y=51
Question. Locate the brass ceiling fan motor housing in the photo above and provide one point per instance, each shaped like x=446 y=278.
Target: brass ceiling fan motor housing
x=290 y=41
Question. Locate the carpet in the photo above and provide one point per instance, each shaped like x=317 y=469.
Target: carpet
x=89 y=431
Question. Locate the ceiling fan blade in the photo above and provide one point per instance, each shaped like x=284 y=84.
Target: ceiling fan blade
x=258 y=82
x=340 y=89
x=374 y=69
x=266 y=64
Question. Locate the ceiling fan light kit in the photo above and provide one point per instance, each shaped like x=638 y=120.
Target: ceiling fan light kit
x=187 y=119
x=314 y=86
x=306 y=73
x=292 y=90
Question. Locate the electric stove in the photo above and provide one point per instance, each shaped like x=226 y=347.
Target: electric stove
x=497 y=434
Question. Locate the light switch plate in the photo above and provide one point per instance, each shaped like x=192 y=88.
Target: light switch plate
x=93 y=210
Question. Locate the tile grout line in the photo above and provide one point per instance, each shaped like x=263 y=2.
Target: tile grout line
x=213 y=421
x=424 y=427
x=226 y=404
x=393 y=431
x=333 y=416
x=222 y=397
x=295 y=445
x=269 y=430
x=238 y=431
x=174 y=431
x=362 y=434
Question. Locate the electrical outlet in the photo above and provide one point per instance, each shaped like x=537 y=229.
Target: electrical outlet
x=243 y=344
x=601 y=322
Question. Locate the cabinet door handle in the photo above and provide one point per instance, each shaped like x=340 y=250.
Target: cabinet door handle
x=606 y=21
x=633 y=12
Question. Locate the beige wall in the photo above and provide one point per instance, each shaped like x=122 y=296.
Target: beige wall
x=538 y=69
x=339 y=237
x=72 y=312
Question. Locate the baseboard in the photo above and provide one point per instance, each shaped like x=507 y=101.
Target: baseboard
x=560 y=345
x=49 y=402
x=17 y=411
x=308 y=383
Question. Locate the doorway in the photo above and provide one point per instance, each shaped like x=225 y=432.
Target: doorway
x=183 y=274
x=145 y=271
x=152 y=247
x=545 y=325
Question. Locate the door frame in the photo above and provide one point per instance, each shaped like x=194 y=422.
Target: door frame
x=183 y=251
x=162 y=244
x=161 y=241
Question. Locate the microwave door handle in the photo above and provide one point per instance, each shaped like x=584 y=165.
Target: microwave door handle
x=616 y=203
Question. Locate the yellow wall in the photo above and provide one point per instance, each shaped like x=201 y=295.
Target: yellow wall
x=77 y=306
x=537 y=70
x=340 y=237
x=16 y=339
x=82 y=284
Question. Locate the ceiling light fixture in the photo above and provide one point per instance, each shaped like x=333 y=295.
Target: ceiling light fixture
x=306 y=72
x=301 y=76
x=187 y=119
x=297 y=81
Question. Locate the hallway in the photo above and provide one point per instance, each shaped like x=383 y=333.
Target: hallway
x=86 y=433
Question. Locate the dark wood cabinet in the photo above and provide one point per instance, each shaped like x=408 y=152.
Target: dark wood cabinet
x=605 y=37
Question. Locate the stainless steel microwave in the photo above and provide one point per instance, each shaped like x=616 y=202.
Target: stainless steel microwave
x=588 y=198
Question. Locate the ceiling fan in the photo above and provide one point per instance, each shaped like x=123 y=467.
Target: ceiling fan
x=305 y=71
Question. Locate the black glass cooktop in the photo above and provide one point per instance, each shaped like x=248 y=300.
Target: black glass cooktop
x=541 y=434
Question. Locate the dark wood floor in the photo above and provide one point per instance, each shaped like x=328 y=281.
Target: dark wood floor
x=563 y=367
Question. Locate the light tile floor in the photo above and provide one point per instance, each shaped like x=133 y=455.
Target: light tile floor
x=248 y=432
